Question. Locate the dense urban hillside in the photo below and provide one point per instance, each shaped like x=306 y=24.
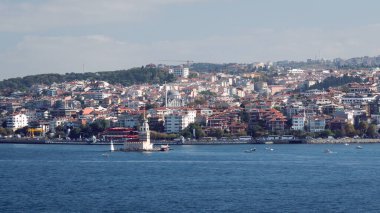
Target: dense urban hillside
x=124 y=77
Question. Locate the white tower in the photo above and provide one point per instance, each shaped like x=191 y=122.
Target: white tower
x=144 y=139
x=144 y=135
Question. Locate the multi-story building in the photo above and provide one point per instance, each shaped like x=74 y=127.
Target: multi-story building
x=316 y=124
x=180 y=71
x=298 y=122
x=17 y=121
x=357 y=99
x=174 y=123
x=128 y=120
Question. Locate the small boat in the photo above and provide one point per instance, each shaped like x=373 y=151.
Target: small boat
x=269 y=148
x=250 y=150
x=359 y=147
x=165 y=148
x=346 y=144
x=268 y=142
x=328 y=151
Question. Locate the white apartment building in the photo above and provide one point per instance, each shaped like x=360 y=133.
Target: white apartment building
x=357 y=99
x=295 y=71
x=298 y=122
x=180 y=71
x=17 y=121
x=176 y=122
x=314 y=92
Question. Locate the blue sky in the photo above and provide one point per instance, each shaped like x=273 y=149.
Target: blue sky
x=59 y=36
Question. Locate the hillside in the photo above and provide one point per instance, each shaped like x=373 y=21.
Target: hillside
x=124 y=77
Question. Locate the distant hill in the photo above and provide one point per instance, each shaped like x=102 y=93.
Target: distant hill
x=124 y=77
x=337 y=81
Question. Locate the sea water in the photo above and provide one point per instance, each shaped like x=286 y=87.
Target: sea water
x=199 y=178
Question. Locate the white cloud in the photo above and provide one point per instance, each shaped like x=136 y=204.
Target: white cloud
x=63 y=54
x=51 y=14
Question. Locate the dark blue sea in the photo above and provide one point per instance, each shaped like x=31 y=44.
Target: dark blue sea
x=202 y=178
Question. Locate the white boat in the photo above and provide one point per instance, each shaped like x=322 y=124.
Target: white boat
x=346 y=144
x=268 y=142
x=328 y=151
x=250 y=150
x=359 y=147
x=269 y=148
x=165 y=147
x=112 y=148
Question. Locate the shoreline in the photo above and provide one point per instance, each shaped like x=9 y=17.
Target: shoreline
x=309 y=141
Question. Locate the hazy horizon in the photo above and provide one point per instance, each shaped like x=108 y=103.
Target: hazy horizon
x=57 y=36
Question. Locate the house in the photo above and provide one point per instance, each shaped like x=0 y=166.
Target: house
x=316 y=124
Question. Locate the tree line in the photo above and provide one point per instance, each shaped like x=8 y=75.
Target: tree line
x=123 y=77
x=333 y=81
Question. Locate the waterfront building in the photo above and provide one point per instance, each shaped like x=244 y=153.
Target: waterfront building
x=17 y=121
x=298 y=122
x=120 y=134
x=316 y=124
x=144 y=139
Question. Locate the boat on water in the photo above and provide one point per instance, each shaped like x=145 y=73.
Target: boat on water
x=165 y=148
x=269 y=148
x=250 y=150
x=328 y=151
x=359 y=147
x=268 y=142
x=346 y=144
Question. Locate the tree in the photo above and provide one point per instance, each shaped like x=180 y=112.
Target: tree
x=372 y=131
x=75 y=133
x=340 y=133
x=218 y=133
x=362 y=127
x=244 y=116
x=188 y=131
x=99 y=126
x=3 y=131
x=326 y=133
x=22 y=131
x=149 y=106
x=350 y=130
x=193 y=75
x=124 y=77
x=162 y=136
x=257 y=131
x=60 y=131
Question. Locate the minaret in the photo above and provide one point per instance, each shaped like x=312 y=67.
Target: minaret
x=166 y=95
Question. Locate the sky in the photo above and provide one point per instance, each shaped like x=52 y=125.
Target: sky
x=62 y=36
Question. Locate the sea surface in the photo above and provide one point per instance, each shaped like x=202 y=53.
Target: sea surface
x=198 y=178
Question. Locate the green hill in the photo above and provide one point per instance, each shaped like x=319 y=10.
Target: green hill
x=124 y=77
